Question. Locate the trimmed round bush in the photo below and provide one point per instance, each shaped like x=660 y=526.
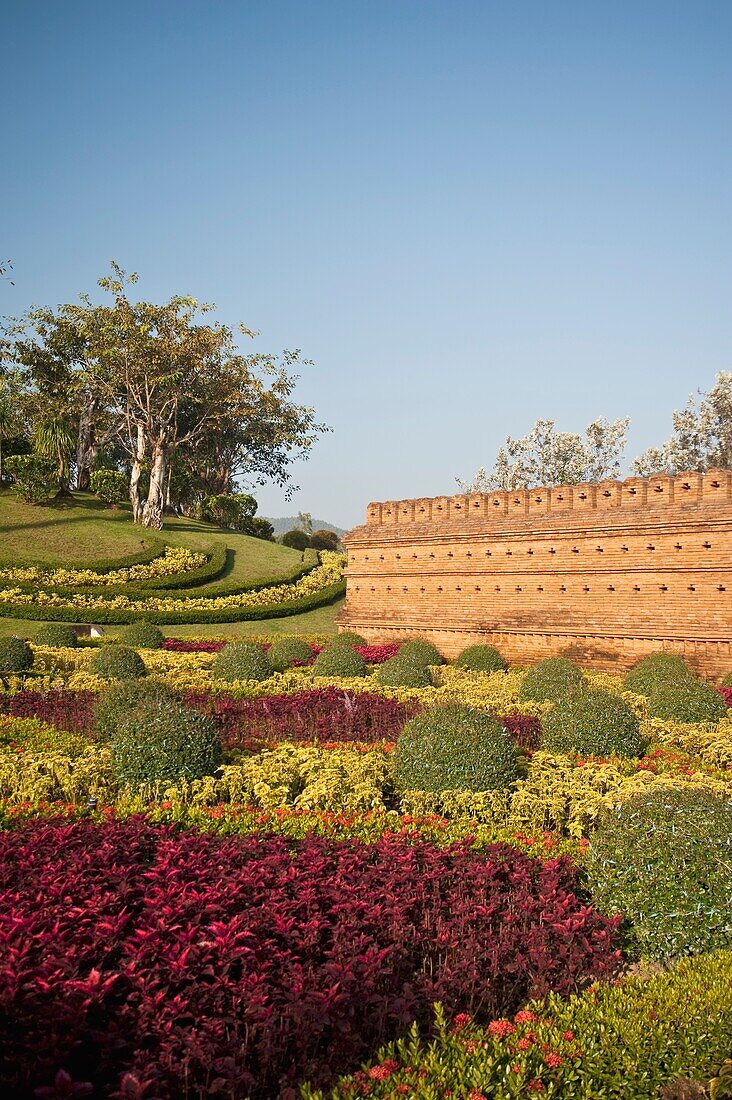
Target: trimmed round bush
x=120 y=699
x=242 y=661
x=655 y=669
x=421 y=650
x=593 y=723
x=404 y=671
x=454 y=747
x=117 y=662
x=550 y=679
x=339 y=659
x=482 y=658
x=285 y=651
x=15 y=655
x=727 y=682
x=164 y=742
x=296 y=539
x=142 y=635
x=664 y=859
x=349 y=637
x=58 y=635
x=686 y=701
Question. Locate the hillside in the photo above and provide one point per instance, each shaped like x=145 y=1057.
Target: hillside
x=82 y=531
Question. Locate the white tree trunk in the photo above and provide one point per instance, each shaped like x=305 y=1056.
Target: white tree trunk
x=152 y=513
x=137 y=461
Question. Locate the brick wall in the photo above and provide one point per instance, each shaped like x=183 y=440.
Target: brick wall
x=602 y=573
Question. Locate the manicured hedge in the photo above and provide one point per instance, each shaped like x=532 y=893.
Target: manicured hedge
x=111 y=616
x=101 y=565
x=171 y=957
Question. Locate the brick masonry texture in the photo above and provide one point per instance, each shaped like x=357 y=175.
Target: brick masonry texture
x=601 y=573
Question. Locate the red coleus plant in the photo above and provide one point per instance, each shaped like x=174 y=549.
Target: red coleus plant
x=72 y=711
x=145 y=962
x=372 y=654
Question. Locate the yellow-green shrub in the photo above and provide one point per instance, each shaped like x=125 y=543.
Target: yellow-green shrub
x=53 y=776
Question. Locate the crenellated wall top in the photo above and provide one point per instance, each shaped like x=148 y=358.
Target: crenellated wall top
x=681 y=490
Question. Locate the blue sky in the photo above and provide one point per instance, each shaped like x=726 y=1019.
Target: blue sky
x=469 y=215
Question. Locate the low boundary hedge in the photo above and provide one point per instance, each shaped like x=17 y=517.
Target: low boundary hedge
x=103 y=565
x=177 y=618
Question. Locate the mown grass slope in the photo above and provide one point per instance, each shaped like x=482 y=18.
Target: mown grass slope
x=81 y=531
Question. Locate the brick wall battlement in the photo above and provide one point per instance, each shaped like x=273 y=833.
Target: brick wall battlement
x=603 y=573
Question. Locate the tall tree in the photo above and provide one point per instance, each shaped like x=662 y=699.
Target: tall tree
x=702 y=434
x=547 y=457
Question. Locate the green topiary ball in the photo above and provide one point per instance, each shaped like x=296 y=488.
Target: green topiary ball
x=119 y=699
x=142 y=635
x=686 y=701
x=117 y=662
x=727 y=682
x=242 y=661
x=421 y=650
x=401 y=671
x=339 y=660
x=349 y=637
x=285 y=651
x=482 y=658
x=664 y=859
x=550 y=679
x=58 y=635
x=164 y=742
x=593 y=723
x=454 y=747
x=15 y=655
x=655 y=669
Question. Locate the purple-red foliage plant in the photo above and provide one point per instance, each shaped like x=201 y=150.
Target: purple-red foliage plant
x=140 y=962
x=322 y=714
x=72 y=711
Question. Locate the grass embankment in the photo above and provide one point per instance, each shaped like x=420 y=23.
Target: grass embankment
x=81 y=532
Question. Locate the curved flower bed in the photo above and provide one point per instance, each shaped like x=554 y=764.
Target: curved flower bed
x=137 y=961
x=173 y=560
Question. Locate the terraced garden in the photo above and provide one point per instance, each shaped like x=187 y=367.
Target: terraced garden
x=254 y=869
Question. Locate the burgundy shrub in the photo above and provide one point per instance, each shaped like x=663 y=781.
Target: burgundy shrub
x=72 y=711
x=180 y=645
x=726 y=693
x=523 y=729
x=153 y=964
x=322 y=714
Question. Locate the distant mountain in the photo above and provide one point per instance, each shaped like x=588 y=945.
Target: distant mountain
x=286 y=523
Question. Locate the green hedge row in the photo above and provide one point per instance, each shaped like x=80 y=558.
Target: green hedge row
x=194 y=582
x=225 y=615
x=102 y=565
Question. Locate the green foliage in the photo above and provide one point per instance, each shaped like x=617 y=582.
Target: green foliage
x=323 y=539
x=117 y=662
x=592 y=723
x=686 y=701
x=58 y=635
x=404 y=671
x=164 y=742
x=339 y=659
x=454 y=747
x=550 y=679
x=727 y=682
x=350 y=637
x=664 y=859
x=296 y=539
x=655 y=669
x=109 y=485
x=482 y=658
x=142 y=635
x=34 y=477
x=15 y=655
x=119 y=699
x=630 y=1039
x=242 y=661
x=284 y=651
x=419 y=649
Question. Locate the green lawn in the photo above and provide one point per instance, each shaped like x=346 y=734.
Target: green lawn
x=82 y=531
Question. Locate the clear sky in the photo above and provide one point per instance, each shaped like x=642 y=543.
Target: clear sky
x=468 y=214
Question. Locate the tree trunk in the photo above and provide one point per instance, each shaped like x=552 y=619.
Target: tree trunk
x=86 y=447
x=152 y=513
x=137 y=460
